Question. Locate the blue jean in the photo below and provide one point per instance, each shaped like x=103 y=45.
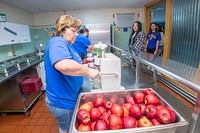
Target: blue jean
x=63 y=116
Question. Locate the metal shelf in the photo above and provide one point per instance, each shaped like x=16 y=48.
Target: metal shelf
x=12 y=98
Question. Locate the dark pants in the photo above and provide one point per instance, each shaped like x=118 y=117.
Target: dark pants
x=152 y=50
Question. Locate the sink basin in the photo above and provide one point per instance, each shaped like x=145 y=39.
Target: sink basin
x=33 y=58
x=18 y=63
x=6 y=65
x=6 y=68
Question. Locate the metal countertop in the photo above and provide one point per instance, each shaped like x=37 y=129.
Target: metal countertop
x=36 y=61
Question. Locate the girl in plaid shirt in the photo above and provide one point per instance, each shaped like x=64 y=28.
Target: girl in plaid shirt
x=136 y=40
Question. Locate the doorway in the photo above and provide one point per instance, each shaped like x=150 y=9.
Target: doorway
x=158 y=12
x=149 y=16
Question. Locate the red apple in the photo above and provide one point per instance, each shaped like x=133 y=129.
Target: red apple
x=127 y=105
x=164 y=115
x=148 y=91
x=161 y=102
x=138 y=96
x=105 y=116
x=84 y=128
x=117 y=109
x=173 y=114
x=100 y=125
x=83 y=116
x=102 y=109
x=98 y=102
x=114 y=122
x=98 y=95
x=135 y=111
x=95 y=114
x=151 y=111
x=129 y=99
x=155 y=122
x=143 y=108
x=129 y=122
x=114 y=98
x=126 y=93
x=109 y=111
x=121 y=100
x=151 y=99
x=126 y=111
x=108 y=105
x=92 y=125
x=144 y=122
x=160 y=106
x=87 y=106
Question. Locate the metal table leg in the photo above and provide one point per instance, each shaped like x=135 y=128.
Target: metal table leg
x=137 y=74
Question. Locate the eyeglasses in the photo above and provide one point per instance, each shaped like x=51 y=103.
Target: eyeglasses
x=72 y=30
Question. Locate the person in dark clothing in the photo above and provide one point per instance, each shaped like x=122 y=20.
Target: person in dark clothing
x=83 y=43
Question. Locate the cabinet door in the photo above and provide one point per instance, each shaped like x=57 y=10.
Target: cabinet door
x=41 y=73
x=9 y=33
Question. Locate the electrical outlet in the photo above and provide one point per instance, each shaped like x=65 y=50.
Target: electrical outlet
x=36 y=36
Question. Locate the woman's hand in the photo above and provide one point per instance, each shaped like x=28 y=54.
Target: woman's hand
x=155 y=52
x=93 y=73
x=92 y=65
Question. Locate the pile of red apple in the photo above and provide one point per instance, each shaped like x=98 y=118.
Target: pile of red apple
x=141 y=108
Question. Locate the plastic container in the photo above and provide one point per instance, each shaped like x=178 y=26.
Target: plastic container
x=90 y=96
x=100 y=49
x=31 y=84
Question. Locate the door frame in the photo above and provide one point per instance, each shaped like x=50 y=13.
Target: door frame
x=168 y=23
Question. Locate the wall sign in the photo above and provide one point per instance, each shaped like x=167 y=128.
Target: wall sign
x=2 y=17
x=125 y=20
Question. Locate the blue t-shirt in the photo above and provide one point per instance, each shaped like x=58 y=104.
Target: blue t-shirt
x=61 y=90
x=152 y=39
x=81 y=44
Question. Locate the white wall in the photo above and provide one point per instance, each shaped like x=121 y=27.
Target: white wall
x=46 y=19
x=89 y=16
x=16 y=15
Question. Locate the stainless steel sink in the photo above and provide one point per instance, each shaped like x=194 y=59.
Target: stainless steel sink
x=19 y=63
x=15 y=64
x=6 y=68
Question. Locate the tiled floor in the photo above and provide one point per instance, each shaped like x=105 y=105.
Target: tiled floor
x=39 y=121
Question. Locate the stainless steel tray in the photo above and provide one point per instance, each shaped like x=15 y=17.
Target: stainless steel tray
x=167 y=128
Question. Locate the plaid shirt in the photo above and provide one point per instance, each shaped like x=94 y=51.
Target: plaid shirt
x=138 y=42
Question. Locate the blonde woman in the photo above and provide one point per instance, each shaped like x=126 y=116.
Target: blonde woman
x=64 y=71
